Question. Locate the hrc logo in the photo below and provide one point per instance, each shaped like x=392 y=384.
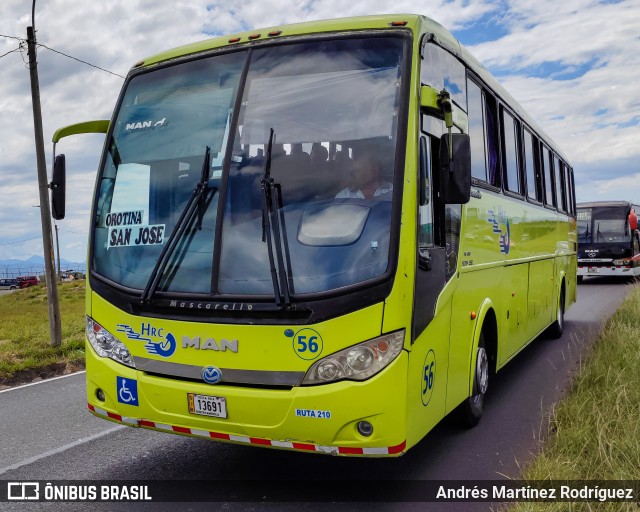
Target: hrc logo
x=498 y=222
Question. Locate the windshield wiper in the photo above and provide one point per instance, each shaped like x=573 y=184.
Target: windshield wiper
x=600 y=235
x=195 y=205
x=273 y=225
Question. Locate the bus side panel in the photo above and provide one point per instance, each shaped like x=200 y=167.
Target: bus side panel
x=516 y=329
x=427 y=376
x=474 y=289
x=571 y=276
x=542 y=301
x=572 y=281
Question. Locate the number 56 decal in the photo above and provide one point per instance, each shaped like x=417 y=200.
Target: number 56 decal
x=428 y=377
x=307 y=343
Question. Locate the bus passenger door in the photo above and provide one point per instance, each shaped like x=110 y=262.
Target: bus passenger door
x=429 y=357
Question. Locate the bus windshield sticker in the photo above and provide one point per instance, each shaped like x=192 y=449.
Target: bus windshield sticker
x=124 y=218
x=126 y=236
x=584 y=215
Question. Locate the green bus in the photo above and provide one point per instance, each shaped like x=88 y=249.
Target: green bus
x=321 y=237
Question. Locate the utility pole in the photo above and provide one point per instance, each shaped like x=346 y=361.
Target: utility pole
x=55 y=328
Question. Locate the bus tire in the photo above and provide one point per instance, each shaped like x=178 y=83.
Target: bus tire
x=472 y=408
x=557 y=327
x=580 y=278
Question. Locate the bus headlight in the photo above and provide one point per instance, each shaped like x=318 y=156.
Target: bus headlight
x=358 y=362
x=619 y=263
x=107 y=345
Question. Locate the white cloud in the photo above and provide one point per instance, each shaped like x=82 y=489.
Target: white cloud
x=585 y=115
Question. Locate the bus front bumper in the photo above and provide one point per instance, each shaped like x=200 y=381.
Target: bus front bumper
x=585 y=270
x=314 y=419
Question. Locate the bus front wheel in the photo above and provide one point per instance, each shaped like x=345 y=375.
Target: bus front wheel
x=471 y=409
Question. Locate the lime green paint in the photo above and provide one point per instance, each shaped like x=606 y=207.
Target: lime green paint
x=429 y=97
x=100 y=126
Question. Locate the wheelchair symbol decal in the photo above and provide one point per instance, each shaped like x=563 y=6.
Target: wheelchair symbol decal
x=127 y=391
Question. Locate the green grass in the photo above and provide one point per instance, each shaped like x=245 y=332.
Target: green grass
x=25 y=346
x=594 y=434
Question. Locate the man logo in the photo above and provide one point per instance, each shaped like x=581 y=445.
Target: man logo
x=145 y=125
x=211 y=374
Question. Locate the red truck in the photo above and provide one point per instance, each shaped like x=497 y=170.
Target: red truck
x=26 y=281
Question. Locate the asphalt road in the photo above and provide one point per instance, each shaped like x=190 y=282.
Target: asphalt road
x=46 y=433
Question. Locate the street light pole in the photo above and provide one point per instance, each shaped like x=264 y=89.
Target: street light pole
x=55 y=329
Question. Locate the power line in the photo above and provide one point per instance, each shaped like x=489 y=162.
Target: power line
x=19 y=241
x=57 y=51
x=12 y=51
x=13 y=37
x=74 y=232
x=80 y=60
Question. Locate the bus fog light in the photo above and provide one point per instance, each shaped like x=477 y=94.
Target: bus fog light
x=100 y=395
x=358 y=362
x=106 y=344
x=365 y=428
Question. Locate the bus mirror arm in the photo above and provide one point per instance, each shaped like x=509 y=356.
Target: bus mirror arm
x=58 y=187
x=444 y=101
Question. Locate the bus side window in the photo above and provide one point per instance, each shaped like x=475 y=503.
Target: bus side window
x=510 y=153
x=555 y=169
x=482 y=117
x=529 y=164
x=442 y=70
x=534 y=177
x=491 y=128
x=476 y=132
x=567 y=187
x=425 y=207
x=549 y=198
x=560 y=185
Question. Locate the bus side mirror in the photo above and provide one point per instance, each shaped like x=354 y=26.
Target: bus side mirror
x=455 y=168
x=57 y=186
x=633 y=220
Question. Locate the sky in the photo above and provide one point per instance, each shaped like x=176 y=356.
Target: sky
x=574 y=65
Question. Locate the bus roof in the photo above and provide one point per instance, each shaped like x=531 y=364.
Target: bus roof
x=596 y=204
x=417 y=23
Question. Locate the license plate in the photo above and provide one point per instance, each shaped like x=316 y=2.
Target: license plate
x=593 y=270
x=206 y=405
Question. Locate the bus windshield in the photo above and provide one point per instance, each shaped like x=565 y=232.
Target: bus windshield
x=603 y=225
x=333 y=108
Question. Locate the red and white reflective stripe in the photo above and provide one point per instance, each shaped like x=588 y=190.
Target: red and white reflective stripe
x=308 y=447
x=117 y=417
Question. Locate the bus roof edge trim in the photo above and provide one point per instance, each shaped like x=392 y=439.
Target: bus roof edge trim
x=99 y=126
